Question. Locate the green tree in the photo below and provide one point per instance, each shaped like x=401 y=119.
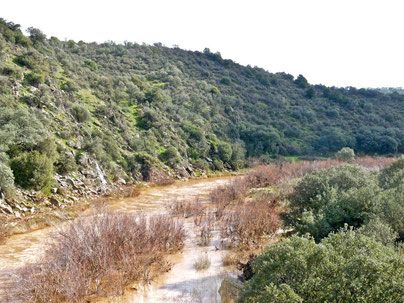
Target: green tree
x=346 y=154
x=36 y=35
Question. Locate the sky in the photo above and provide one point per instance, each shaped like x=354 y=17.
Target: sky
x=334 y=42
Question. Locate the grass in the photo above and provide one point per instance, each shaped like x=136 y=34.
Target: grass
x=99 y=254
x=202 y=263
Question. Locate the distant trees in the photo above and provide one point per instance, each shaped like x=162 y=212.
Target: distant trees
x=180 y=108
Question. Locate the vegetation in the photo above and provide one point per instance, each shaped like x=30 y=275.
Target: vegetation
x=348 y=225
x=345 y=154
x=202 y=263
x=344 y=267
x=142 y=111
x=325 y=200
x=97 y=255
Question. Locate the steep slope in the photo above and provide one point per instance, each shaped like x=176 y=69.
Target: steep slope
x=134 y=111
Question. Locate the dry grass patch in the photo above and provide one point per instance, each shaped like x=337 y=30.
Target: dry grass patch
x=97 y=254
x=202 y=263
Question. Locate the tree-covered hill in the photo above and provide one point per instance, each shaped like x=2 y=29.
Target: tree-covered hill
x=137 y=109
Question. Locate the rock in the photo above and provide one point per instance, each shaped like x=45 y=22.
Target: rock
x=230 y=290
x=21 y=208
x=5 y=208
x=54 y=190
x=54 y=201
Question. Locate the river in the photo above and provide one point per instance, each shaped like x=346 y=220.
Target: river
x=182 y=283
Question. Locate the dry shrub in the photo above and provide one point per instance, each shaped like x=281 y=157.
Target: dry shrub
x=374 y=163
x=230 y=259
x=202 y=263
x=163 y=180
x=247 y=223
x=187 y=209
x=232 y=192
x=97 y=255
x=205 y=226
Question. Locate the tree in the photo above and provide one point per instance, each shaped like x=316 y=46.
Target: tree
x=36 y=35
x=301 y=81
x=346 y=154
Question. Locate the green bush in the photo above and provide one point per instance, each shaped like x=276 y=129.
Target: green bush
x=80 y=113
x=170 y=156
x=326 y=200
x=225 y=151
x=393 y=175
x=26 y=60
x=33 y=170
x=66 y=163
x=345 y=154
x=344 y=267
x=6 y=180
x=34 y=78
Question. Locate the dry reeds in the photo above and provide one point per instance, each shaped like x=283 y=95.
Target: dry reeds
x=245 y=224
x=96 y=255
x=187 y=209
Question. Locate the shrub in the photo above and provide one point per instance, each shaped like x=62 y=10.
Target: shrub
x=34 y=78
x=393 y=175
x=27 y=60
x=246 y=223
x=97 y=255
x=66 y=163
x=202 y=263
x=379 y=231
x=225 y=152
x=6 y=180
x=345 y=154
x=170 y=156
x=33 y=170
x=345 y=267
x=326 y=200
x=80 y=113
x=186 y=209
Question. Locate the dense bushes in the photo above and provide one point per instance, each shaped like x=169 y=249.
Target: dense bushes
x=326 y=200
x=185 y=110
x=344 y=267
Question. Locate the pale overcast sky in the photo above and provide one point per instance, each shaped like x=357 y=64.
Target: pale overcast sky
x=334 y=42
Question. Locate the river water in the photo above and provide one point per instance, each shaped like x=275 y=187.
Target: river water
x=182 y=283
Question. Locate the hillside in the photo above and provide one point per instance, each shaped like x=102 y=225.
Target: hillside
x=134 y=111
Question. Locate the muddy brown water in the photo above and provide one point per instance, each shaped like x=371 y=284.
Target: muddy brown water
x=182 y=283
